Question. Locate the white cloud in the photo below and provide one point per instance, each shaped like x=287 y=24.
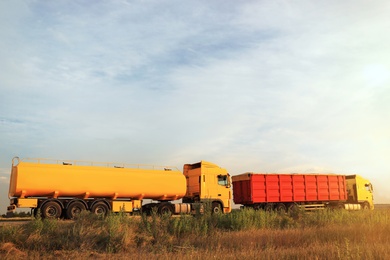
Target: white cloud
x=4 y=175
x=4 y=179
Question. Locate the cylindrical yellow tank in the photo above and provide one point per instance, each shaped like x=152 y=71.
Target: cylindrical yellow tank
x=35 y=179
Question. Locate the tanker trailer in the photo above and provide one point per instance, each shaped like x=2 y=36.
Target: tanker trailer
x=308 y=191
x=61 y=188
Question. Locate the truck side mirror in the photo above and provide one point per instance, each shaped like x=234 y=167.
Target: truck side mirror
x=228 y=184
x=368 y=187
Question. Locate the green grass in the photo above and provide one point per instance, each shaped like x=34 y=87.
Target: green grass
x=243 y=234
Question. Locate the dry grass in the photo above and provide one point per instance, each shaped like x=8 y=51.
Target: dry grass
x=245 y=234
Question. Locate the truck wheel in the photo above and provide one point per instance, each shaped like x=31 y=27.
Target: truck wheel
x=100 y=208
x=74 y=209
x=51 y=209
x=257 y=206
x=293 y=208
x=340 y=206
x=281 y=208
x=269 y=207
x=216 y=208
x=365 y=206
x=35 y=212
x=165 y=208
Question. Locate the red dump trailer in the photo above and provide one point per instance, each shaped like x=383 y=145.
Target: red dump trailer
x=285 y=191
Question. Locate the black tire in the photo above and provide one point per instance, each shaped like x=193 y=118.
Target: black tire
x=293 y=208
x=100 y=208
x=51 y=210
x=257 y=206
x=147 y=209
x=216 y=208
x=35 y=212
x=365 y=206
x=281 y=208
x=74 y=209
x=269 y=207
x=165 y=208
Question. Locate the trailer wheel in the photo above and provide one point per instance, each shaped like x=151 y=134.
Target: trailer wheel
x=216 y=208
x=165 y=209
x=269 y=207
x=257 y=206
x=100 y=208
x=74 y=209
x=293 y=208
x=51 y=209
x=281 y=208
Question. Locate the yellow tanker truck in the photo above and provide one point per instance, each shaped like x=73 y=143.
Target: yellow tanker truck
x=61 y=188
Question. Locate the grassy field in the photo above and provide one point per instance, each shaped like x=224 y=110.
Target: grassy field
x=243 y=234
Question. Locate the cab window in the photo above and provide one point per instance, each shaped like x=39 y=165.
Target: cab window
x=368 y=187
x=222 y=180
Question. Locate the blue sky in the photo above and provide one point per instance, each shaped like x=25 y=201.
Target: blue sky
x=262 y=86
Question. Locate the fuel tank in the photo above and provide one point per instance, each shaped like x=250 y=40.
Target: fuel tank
x=38 y=178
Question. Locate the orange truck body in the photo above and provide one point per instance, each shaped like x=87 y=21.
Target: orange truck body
x=39 y=179
x=264 y=188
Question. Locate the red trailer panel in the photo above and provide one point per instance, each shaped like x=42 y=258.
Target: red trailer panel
x=250 y=188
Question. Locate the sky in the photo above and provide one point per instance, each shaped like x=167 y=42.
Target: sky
x=253 y=86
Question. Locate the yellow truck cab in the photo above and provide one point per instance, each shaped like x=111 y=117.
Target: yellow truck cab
x=360 y=191
x=207 y=182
